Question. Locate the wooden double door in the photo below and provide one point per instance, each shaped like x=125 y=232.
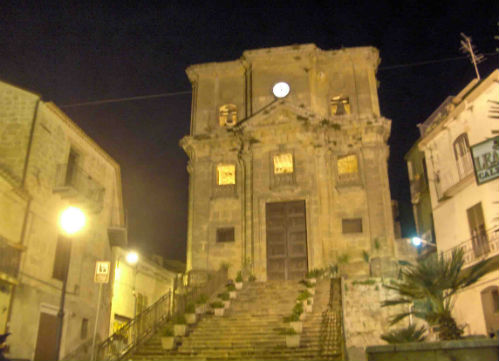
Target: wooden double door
x=286 y=230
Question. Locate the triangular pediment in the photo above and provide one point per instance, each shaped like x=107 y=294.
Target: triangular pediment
x=278 y=113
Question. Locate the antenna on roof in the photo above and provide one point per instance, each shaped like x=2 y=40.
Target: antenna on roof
x=467 y=47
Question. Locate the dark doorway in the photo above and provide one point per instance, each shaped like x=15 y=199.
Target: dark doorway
x=46 y=340
x=286 y=240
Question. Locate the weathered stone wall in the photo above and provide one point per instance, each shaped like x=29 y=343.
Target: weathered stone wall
x=364 y=318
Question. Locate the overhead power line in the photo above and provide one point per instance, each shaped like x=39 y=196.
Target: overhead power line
x=119 y=100
x=164 y=95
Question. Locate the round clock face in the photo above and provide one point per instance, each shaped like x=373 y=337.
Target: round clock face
x=281 y=89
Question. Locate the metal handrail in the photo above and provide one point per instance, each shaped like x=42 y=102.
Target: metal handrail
x=482 y=246
x=331 y=342
x=138 y=330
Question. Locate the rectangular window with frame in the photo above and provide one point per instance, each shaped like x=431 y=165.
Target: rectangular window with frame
x=72 y=167
x=478 y=231
x=84 y=328
x=348 y=169
x=225 y=235
x=283 y=163
x=340 y=105
x=226 y=174
x=351 y=225
x=61 y=261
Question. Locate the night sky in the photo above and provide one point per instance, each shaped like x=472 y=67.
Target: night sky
x=79 y=53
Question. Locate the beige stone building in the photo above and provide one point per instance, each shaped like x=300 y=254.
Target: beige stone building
x=282 y=185
x=465 y=208
x=47 y=163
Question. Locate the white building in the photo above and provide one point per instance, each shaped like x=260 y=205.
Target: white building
x=466 y=214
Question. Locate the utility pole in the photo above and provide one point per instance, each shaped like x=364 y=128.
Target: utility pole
x=475 y=58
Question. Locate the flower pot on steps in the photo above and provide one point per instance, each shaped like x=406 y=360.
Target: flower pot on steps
x=219 y=311
x=297 y=326
x=167 y=343
x=179 y=330
x=190 y=318
x=232 y=294
x=292 y=340
x=239 y=285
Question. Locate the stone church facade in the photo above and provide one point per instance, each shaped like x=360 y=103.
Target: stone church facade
x=280 y=186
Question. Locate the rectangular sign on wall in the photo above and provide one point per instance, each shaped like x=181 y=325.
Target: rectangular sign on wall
x=102 y=269
x=486 y=160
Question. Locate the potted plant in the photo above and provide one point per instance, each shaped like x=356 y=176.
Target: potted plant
x=180 y=326
x=231 y=288
x=224 y=296
x=294 y=322
x=201 y=304
x=298 y=309
x=307 y=305
x=292 y=338
x=304 y=295
x=190 y=313
x=310 y=286
x=239 y=281
x=218 y=308
x=311 y=276
x=167 y=338
x=252 y=278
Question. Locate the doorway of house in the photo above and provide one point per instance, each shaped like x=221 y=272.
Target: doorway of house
x=286 y=230
x=46 y=340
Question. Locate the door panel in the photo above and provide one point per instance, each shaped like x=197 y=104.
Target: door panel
x=45 y=343
x=286 y=240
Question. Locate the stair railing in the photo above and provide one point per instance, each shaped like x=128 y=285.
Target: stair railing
x=331 y=339
x=138 y=330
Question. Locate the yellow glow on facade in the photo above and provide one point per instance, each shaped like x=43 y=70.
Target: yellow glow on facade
x=226 y=174
x=283 y=163
x=72 y=220
x=348 y=164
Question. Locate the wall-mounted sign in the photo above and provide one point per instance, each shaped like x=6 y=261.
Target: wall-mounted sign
x=102 y=271
x=486 y=160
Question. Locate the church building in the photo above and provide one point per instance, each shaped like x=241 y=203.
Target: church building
x=288 y=164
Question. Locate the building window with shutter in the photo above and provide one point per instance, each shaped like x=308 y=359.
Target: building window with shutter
x=462 y=155
x=225 y=235
x=61 y=260
x=282 y=169
x=84 y=329
x=283 y=163
x=351 y=225
x=227 y=115
x=478 y=231
x=340 y=105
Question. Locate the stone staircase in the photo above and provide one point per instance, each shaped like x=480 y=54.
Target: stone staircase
x=250 y=328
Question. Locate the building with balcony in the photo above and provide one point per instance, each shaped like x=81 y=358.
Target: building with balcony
x=47 y=163
x=282 y=185
x=465 y=212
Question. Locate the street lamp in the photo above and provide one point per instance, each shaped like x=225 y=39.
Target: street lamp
x=132 y=257
x=71 y=221
x=417 y=242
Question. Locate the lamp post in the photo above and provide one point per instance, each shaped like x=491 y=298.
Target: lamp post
x=418 y=242
x=132 y=258
x=71 y=221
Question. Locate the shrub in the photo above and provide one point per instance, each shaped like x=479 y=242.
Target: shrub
x=190 y=308
x=167 y=331
x=252 y=278
x=239 y=277
x=306 y=283
x=202 y=299
x=288 y=331
x=304 y=295
x=180 y=320
x=217 y=304
x=408 y=334
x=224 y=296
x=231 y=287
x=298 y=309
x=292 y=318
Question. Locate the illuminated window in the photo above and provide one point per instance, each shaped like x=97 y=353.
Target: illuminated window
x=463 y=155
x=340 y=105
x=348 y=165
x=227 y=115
x=226 y=174
x=283 y=163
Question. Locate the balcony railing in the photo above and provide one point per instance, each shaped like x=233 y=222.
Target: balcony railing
x=10 y=257
x=138 y=330
x=483 y=245
x=74 y=182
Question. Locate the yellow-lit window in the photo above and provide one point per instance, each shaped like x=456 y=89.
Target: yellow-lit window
x=348 y=165
x=340 y=105
x=226 y=174
x=227 y=115
x=283 y=163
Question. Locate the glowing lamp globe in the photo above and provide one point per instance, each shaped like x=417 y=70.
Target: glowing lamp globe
x=72 y=220
x=416 y=241
x=132 y=257
x=281 y=89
